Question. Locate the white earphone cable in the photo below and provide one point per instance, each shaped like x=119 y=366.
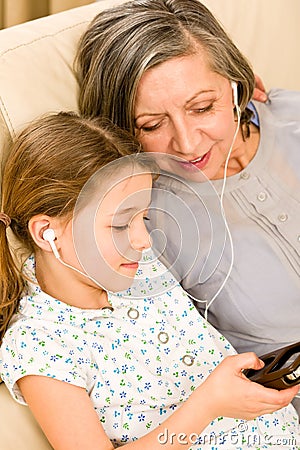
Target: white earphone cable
x=49 y=236
x=82 y=273
x=210 y=302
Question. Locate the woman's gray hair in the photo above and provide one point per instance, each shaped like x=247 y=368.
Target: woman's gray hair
x=123 y=42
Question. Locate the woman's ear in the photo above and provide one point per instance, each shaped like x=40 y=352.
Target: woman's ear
x=37 y=226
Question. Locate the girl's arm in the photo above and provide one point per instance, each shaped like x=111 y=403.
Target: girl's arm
x=67 y=416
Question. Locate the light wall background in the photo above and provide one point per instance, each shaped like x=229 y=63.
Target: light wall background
x=13 y=12
x=266 y=31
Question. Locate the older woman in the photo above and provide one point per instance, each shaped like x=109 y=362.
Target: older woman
x=166 y=71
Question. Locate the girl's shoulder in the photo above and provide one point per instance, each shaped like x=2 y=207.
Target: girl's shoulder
x=31 y=348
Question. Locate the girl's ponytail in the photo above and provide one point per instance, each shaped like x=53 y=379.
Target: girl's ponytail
x=11 y=282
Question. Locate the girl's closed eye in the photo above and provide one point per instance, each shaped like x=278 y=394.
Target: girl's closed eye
x=120 y=227
x=142 y=215
x=126 y=226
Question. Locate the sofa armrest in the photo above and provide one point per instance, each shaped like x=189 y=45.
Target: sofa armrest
x=18 y=428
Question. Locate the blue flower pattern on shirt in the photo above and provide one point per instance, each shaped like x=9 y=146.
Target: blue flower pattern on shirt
x=138 y=362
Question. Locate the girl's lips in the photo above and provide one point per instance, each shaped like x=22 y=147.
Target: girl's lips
x=198 y=163
x=131 y=265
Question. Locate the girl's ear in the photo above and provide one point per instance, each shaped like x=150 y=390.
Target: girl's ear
x=36 y=226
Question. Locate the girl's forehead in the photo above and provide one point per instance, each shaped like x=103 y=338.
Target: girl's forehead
x=127 y=192
x=122 y=192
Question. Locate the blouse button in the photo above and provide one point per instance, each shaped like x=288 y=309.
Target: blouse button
x=298 y=238
x=283 y=217
x=245 y=175
x=163 y=337
x=133 y=313
x=262 y=196
x=188 y=360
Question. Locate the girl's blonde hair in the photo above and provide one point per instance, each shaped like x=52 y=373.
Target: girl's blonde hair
x=48 y=165
x=123 y=42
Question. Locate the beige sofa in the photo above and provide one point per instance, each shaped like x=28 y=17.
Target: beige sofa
x=36 y=76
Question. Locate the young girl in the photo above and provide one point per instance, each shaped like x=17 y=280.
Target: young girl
x=101 y=369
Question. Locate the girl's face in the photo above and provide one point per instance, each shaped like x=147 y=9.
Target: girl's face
x=110 y=236
x=185 y=109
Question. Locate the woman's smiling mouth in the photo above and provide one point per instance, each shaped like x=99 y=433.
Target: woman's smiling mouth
x=199 y=163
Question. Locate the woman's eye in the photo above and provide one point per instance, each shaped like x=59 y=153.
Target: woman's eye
x=202 y=110
x=146 y=218
x=148 y=129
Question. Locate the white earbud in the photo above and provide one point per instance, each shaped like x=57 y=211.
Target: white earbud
x=235 y=94
x=49 y=236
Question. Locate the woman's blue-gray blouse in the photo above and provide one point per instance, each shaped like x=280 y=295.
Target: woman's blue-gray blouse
x=258 y=308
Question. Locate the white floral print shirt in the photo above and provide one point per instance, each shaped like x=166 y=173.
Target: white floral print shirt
x=138 y=361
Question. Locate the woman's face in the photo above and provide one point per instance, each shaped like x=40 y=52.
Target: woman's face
x=185 y=109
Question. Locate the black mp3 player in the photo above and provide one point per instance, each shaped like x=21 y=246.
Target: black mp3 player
x=281 y=369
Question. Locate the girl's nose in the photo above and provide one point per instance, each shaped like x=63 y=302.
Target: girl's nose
x=138 y=235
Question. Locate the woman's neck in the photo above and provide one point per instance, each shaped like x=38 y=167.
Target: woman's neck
x=242 y=154
x=67 y=285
